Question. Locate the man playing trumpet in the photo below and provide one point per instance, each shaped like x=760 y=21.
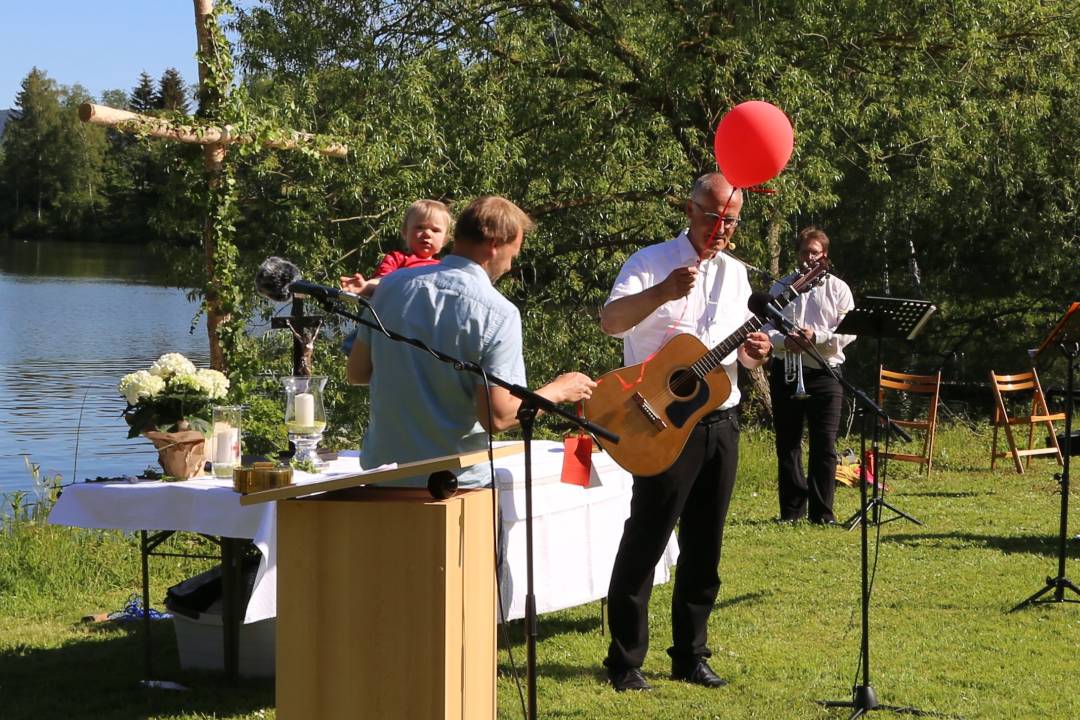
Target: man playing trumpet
x=802 y=389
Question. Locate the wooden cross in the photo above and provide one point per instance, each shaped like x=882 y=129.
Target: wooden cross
x=215 y=141
x=304 y=329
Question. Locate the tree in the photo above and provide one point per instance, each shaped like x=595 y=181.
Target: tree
x=171 y=93
x=80 y=160
x=925 y=133
x=31 y=167
x=142 y=98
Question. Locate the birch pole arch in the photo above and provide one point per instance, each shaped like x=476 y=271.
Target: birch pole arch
x=215 y=79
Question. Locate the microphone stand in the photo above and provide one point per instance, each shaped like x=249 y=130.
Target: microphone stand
x=863 y=697
x=531 y=404
x=1060 y=583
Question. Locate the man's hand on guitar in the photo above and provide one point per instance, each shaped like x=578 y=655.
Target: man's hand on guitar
x=679 y=283
x=757 y=346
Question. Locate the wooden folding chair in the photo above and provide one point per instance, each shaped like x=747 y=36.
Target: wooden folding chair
x=928 y=385
x=1038 y=415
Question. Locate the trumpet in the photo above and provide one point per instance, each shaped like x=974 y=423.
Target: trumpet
x=793 y=373
x=793 y=362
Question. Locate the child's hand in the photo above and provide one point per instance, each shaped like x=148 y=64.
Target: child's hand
x=354 y=283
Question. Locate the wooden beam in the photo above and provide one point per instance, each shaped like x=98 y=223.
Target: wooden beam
x=195 y=134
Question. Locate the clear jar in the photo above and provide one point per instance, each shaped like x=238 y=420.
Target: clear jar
x=225 y=440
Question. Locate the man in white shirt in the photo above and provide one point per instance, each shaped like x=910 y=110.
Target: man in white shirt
x=817 y=313
x=684 y=285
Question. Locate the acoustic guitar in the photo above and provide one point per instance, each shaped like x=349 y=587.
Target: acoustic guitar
x=653 y=406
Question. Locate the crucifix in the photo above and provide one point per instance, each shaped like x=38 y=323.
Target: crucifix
x=214 y=142
x=304 y=329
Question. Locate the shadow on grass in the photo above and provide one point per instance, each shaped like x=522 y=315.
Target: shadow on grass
x=549 y=626
x=943 y=494
x=1028 y=544
x=97 y=676
x=557 y=671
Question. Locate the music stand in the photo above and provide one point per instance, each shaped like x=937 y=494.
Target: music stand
x=884 y=317
x=880 y=317
x=1066 y=335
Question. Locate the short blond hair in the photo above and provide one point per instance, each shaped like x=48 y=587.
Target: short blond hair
x=491 y=217
x=423 y=209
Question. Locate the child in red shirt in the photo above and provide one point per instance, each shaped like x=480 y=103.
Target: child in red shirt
x=424 y=232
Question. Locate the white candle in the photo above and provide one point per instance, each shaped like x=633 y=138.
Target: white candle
x=226 y=440
x=305 y=410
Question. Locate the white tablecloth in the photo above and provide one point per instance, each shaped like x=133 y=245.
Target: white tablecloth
x=576 y=530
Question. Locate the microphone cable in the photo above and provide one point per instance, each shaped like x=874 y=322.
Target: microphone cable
x=500 y=556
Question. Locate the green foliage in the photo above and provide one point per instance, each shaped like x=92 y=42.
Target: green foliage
x=927 y=143
x=18 y=507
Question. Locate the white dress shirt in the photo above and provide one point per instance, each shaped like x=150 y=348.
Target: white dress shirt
x=714 y=309
x=820 y=309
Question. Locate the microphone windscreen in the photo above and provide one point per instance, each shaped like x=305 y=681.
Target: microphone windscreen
x=758 y=302
x=274 y=277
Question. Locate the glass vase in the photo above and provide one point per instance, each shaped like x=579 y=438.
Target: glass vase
x=305 y=416
x=225 y=440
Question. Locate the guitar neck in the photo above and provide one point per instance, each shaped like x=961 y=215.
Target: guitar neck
x=715 y=357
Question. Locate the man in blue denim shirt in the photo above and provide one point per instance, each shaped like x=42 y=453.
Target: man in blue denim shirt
x=422 y=407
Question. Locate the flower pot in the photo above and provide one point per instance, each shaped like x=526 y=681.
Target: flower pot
x=181 y=454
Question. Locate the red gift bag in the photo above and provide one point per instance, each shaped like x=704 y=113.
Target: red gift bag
x=577 y=460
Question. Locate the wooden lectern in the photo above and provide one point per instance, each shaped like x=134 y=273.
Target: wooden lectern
x=386 y=599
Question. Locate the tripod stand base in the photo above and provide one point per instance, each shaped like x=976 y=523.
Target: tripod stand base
x=864 y=699
x=873 y=511
x=1059 y=585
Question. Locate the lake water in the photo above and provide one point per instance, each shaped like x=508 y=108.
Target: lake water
x=75 y=318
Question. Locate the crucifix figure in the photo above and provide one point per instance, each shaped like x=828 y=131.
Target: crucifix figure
x=304 y=329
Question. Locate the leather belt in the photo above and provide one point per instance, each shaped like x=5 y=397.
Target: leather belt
x=718 y=416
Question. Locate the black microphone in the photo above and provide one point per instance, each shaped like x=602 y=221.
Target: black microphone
x=278 y=279
x=761 y=304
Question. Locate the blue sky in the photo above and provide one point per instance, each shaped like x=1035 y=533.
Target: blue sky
x=100 y=45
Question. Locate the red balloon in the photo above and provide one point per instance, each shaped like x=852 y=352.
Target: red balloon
x=753 y=143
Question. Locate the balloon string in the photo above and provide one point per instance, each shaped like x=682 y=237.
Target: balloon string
x=716 y=226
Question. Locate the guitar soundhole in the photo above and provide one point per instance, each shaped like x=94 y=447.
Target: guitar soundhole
x=683 y=384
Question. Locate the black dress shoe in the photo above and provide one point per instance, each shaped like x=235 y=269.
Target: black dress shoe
x=699 y=674
x=628 y=679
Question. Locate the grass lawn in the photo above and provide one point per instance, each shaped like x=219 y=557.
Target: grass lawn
x=786 y=632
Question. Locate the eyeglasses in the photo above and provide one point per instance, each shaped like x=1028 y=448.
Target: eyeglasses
x=729 y=222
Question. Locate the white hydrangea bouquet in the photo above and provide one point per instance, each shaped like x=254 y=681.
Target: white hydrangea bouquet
x=171 y=404
x=172 y=395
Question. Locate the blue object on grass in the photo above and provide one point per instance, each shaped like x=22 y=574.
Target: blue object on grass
x=133 y=610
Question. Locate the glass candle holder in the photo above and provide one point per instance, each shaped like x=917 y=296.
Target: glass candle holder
x=225 y=440
x=305 y=416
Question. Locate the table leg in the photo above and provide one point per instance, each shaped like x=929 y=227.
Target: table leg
x=148 y=654
x=231 y=576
